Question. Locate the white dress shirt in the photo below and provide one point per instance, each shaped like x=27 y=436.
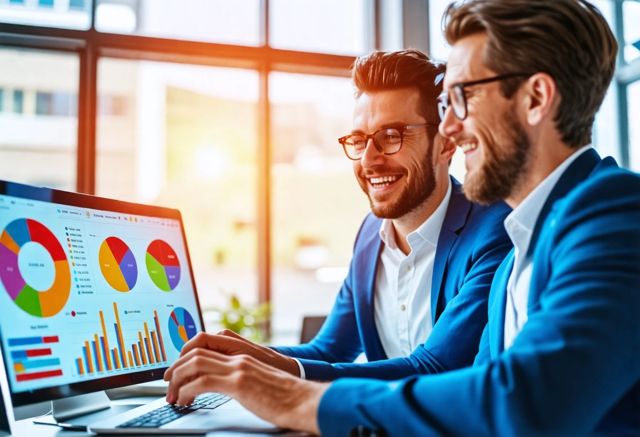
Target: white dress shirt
x=402 y=300
x=519 y=225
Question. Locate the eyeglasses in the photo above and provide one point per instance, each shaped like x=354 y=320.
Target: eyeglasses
x=457 y=99
x=386 y=140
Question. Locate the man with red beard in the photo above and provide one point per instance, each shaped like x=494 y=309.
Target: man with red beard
x=423 y=259
x=560 y=353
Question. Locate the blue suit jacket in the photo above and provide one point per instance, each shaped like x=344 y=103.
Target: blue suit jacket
x=471 y=245
x=575 y=366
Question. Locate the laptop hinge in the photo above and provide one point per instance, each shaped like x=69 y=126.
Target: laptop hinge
x=78 y=405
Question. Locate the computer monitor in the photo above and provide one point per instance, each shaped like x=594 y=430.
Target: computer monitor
x=94 y=293
x=6 y=410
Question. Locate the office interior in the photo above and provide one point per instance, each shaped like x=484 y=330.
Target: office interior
x=230 y=110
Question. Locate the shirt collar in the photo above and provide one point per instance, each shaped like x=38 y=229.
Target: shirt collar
x=520 y=222
x=428 y=231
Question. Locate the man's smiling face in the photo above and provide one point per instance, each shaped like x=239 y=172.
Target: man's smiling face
x=395 y=184
x=493 y=139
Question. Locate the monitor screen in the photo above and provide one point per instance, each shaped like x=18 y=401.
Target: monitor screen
x=94 y=293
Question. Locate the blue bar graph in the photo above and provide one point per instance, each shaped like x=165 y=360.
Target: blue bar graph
x=36 y=364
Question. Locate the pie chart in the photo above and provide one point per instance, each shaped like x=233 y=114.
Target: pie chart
x=182 y=328
x=163 y=265
x=117 y=264
x=34 y=268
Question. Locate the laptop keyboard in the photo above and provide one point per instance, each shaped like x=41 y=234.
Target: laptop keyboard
x=169 y=413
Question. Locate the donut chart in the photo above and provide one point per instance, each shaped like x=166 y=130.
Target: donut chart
x=36 y=302
x=163 y=265
x=182 y=328
x=118 y=264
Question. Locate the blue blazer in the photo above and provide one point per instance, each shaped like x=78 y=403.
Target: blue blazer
x=471 y=245
x=574 y=368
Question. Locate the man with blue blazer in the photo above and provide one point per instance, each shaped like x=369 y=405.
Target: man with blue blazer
x=561 y=352
x=423 y=260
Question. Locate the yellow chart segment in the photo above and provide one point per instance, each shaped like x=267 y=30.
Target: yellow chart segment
x=110 y=268
x=183 y=333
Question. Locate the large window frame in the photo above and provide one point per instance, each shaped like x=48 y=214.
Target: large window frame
x=90 y=45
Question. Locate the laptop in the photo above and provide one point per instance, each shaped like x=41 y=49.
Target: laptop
x=98 y=294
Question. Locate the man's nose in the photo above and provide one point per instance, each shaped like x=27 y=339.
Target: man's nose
x=450 y=125
x=371 y=154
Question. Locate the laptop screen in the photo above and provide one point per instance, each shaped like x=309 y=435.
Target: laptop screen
x=94 y=293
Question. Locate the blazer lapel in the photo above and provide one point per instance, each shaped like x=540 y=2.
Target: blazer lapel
x=572 y=176
x=455 y=219
x=498 y=304
x=369 y=253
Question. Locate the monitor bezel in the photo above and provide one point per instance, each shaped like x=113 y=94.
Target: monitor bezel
x=79 y=200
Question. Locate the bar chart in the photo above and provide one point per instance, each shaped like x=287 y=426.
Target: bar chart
x=33 y=358
x=103 y=353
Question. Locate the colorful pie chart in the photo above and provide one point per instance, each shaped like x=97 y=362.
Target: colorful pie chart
x=163 y=265
x=34 y=268
x=118 y=264
x=182 y=328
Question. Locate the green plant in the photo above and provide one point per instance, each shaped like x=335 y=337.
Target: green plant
x=250 y=321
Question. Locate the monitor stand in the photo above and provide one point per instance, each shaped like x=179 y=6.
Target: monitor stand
x=73 y=406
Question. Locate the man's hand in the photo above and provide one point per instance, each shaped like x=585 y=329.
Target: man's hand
x=228 y=342
x=270 y=393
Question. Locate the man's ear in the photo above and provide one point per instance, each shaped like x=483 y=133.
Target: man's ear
x=445 y=147
x=541 y=98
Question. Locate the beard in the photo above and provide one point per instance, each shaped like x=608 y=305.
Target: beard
x=502 y=167
x=414 y=194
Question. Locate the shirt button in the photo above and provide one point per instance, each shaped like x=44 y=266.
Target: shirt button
x=403 y=307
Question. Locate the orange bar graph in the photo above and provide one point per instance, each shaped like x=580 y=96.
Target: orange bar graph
x=148 y=343
x=87 y=349
x=116 y=358
x=136 y=355
x=141 y=346
x=159 y=331
x=106 y=340
x=120 y=336
x=156 y=348
x=98 y=354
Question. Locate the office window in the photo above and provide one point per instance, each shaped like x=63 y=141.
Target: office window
x=631 y=14
x=18 y=101
x=56 y=103
x=317 y=203
x=332 y=26
x=222 y=21
x=185 y=136
x=68 y=14
x=633 y=93
x=439 y=49
x=76 y=4
x=37 y=150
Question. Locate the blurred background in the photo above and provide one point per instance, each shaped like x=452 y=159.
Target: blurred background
x=230 y=110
